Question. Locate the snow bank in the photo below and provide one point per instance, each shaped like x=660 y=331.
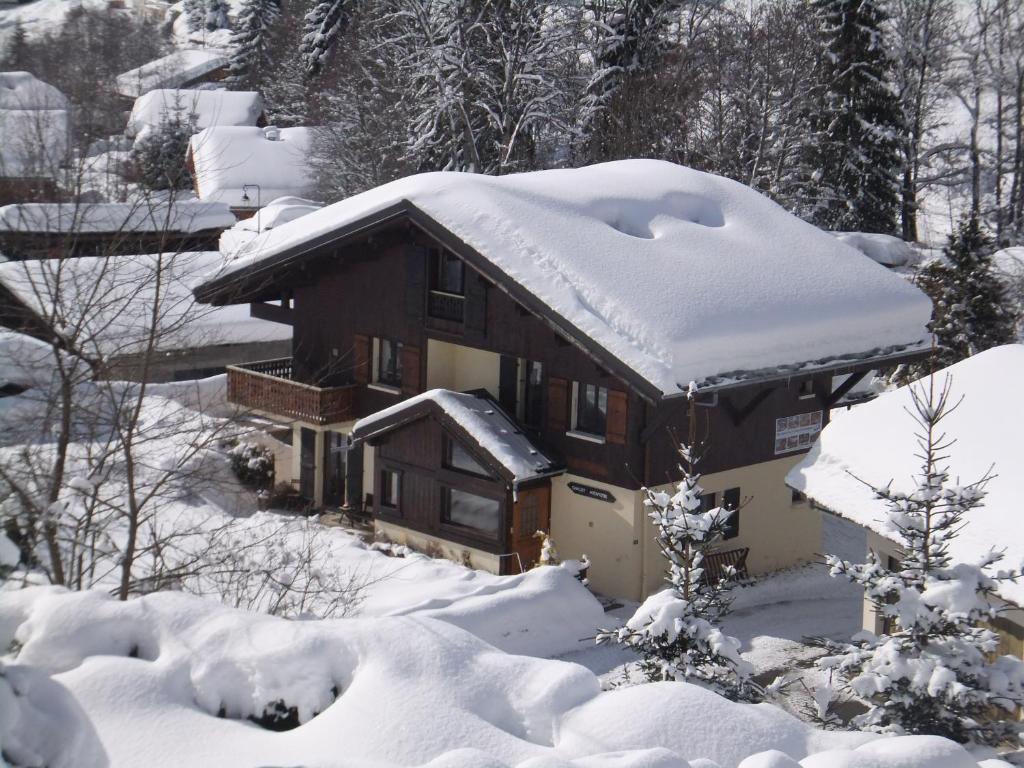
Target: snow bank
x=23 y=90
x=175 y=70
x=199 y=109
x=33 y=124
x=681 y=275
x=154 y=673
x=24 y=361
x=887 y=250
x=987 y=434
x=108 y=301
x=259 y=163
x=187 y=216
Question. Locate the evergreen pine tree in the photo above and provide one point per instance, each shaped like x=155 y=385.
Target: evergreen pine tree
x=195 y=14
x=324 y=24
x=250 y=46
x=17 y=54
x=217 y=15
x=971 y=312
x=159 y=156
x=676 y=629
x=933 y=671
x=856 y=149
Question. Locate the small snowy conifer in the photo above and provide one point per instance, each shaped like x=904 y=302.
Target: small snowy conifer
x=195 y=14
x=159 y=156
x=217 y=15
x=933 y=671
x=971 y=311
x=249 y=39
x=675 y=630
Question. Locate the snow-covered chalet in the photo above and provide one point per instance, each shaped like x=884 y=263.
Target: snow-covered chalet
x=478 y=358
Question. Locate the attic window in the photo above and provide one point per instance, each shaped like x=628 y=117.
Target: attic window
x=458 y=458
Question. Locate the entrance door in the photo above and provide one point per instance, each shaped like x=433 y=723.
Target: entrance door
x=531 y=513
x=335 y=452
x=307 y=464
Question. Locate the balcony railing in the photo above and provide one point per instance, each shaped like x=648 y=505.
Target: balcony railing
x=267 y=386
x=445 y=306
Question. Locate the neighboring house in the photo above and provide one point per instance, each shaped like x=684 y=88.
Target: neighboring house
x=249 y=167
x=59 y=230
x=273 y=214
x=196 y=109
x=887 y=250
x=577 y=307
x=102 y=308
x=181 y=69
x=34 y=137
x=876 y=443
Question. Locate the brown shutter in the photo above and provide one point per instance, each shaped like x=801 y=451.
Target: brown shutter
x=361 y=355
x=410 y=370
x=558 y=404
x=615 y=431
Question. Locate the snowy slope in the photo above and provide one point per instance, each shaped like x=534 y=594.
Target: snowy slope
x=876 y=443
x=152 y=675
x=682 y=275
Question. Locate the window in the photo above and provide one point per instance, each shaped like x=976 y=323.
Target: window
x=731 y=501
x=388 y=364
x=707 y=502
x=447 y=273
x=590 y=408
x=533 y=393
x=468 y=510
x=390 y=488
x=457 y=457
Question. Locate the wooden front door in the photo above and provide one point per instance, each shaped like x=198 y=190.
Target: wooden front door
x=531 y=513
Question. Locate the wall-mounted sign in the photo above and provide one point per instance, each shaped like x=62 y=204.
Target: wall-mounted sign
x=591 y=492
x=797 y=433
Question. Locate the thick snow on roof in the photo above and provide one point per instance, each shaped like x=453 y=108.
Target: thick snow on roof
x=887 y=250
x=108 y=301
x=23 y=90
x=274 y=214
x=33 y=126
x=876 y=443
x=201 y=109
x=483 y=421
x=228 y=159
x=172 y=71
x=682 y=275
x=180 y=216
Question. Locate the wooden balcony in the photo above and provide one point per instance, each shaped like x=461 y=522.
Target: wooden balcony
x=267 y=386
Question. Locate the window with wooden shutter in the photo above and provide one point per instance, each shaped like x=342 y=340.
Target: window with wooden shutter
x=558 y=404
x=410 y=370
x=361 y=359
x=616 y=420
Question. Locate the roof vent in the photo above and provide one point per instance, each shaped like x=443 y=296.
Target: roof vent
x=272 y=132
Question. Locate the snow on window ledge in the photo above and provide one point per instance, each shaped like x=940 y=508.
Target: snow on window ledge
x=385 y=388
x=590 y=438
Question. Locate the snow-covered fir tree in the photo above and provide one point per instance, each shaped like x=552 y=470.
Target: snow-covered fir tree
x=250 y=44
x=856 y=146
x=324 y=24
x=158 y=157
x=971 y=311
x=195 y=14
x=217 y=15
x=676 y=630
x=933 y=669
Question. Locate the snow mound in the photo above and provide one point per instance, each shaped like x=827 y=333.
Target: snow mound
x=850 y=454
x=198 y=108
x=23 y=90
x=274 y=214
x=169 y=680
x=24 y=361
x=681 y=275
x=887 y=250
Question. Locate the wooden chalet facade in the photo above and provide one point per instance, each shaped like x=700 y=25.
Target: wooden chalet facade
x=394 y=305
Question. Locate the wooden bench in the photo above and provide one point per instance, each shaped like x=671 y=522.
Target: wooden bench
x=715 y=564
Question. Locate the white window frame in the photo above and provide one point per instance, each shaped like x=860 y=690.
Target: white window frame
x=375 y=382
x=574 y=431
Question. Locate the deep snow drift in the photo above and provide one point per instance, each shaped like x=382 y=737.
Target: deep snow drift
x=169 y=680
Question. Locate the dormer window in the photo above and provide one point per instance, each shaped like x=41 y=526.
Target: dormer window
x=447 y=285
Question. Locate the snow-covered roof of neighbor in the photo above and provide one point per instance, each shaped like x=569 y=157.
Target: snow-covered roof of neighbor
x=876 y=443
x=479 y=418
x=174 y=70
x=112 y=297
x=273 y=214
x=1009 y=262
x=228 y=159
x=887 y=250
x=33 y=126
x=25 y=91
x=200 y=108
x=681 y=275
x=24 y=361
x=180 y=216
